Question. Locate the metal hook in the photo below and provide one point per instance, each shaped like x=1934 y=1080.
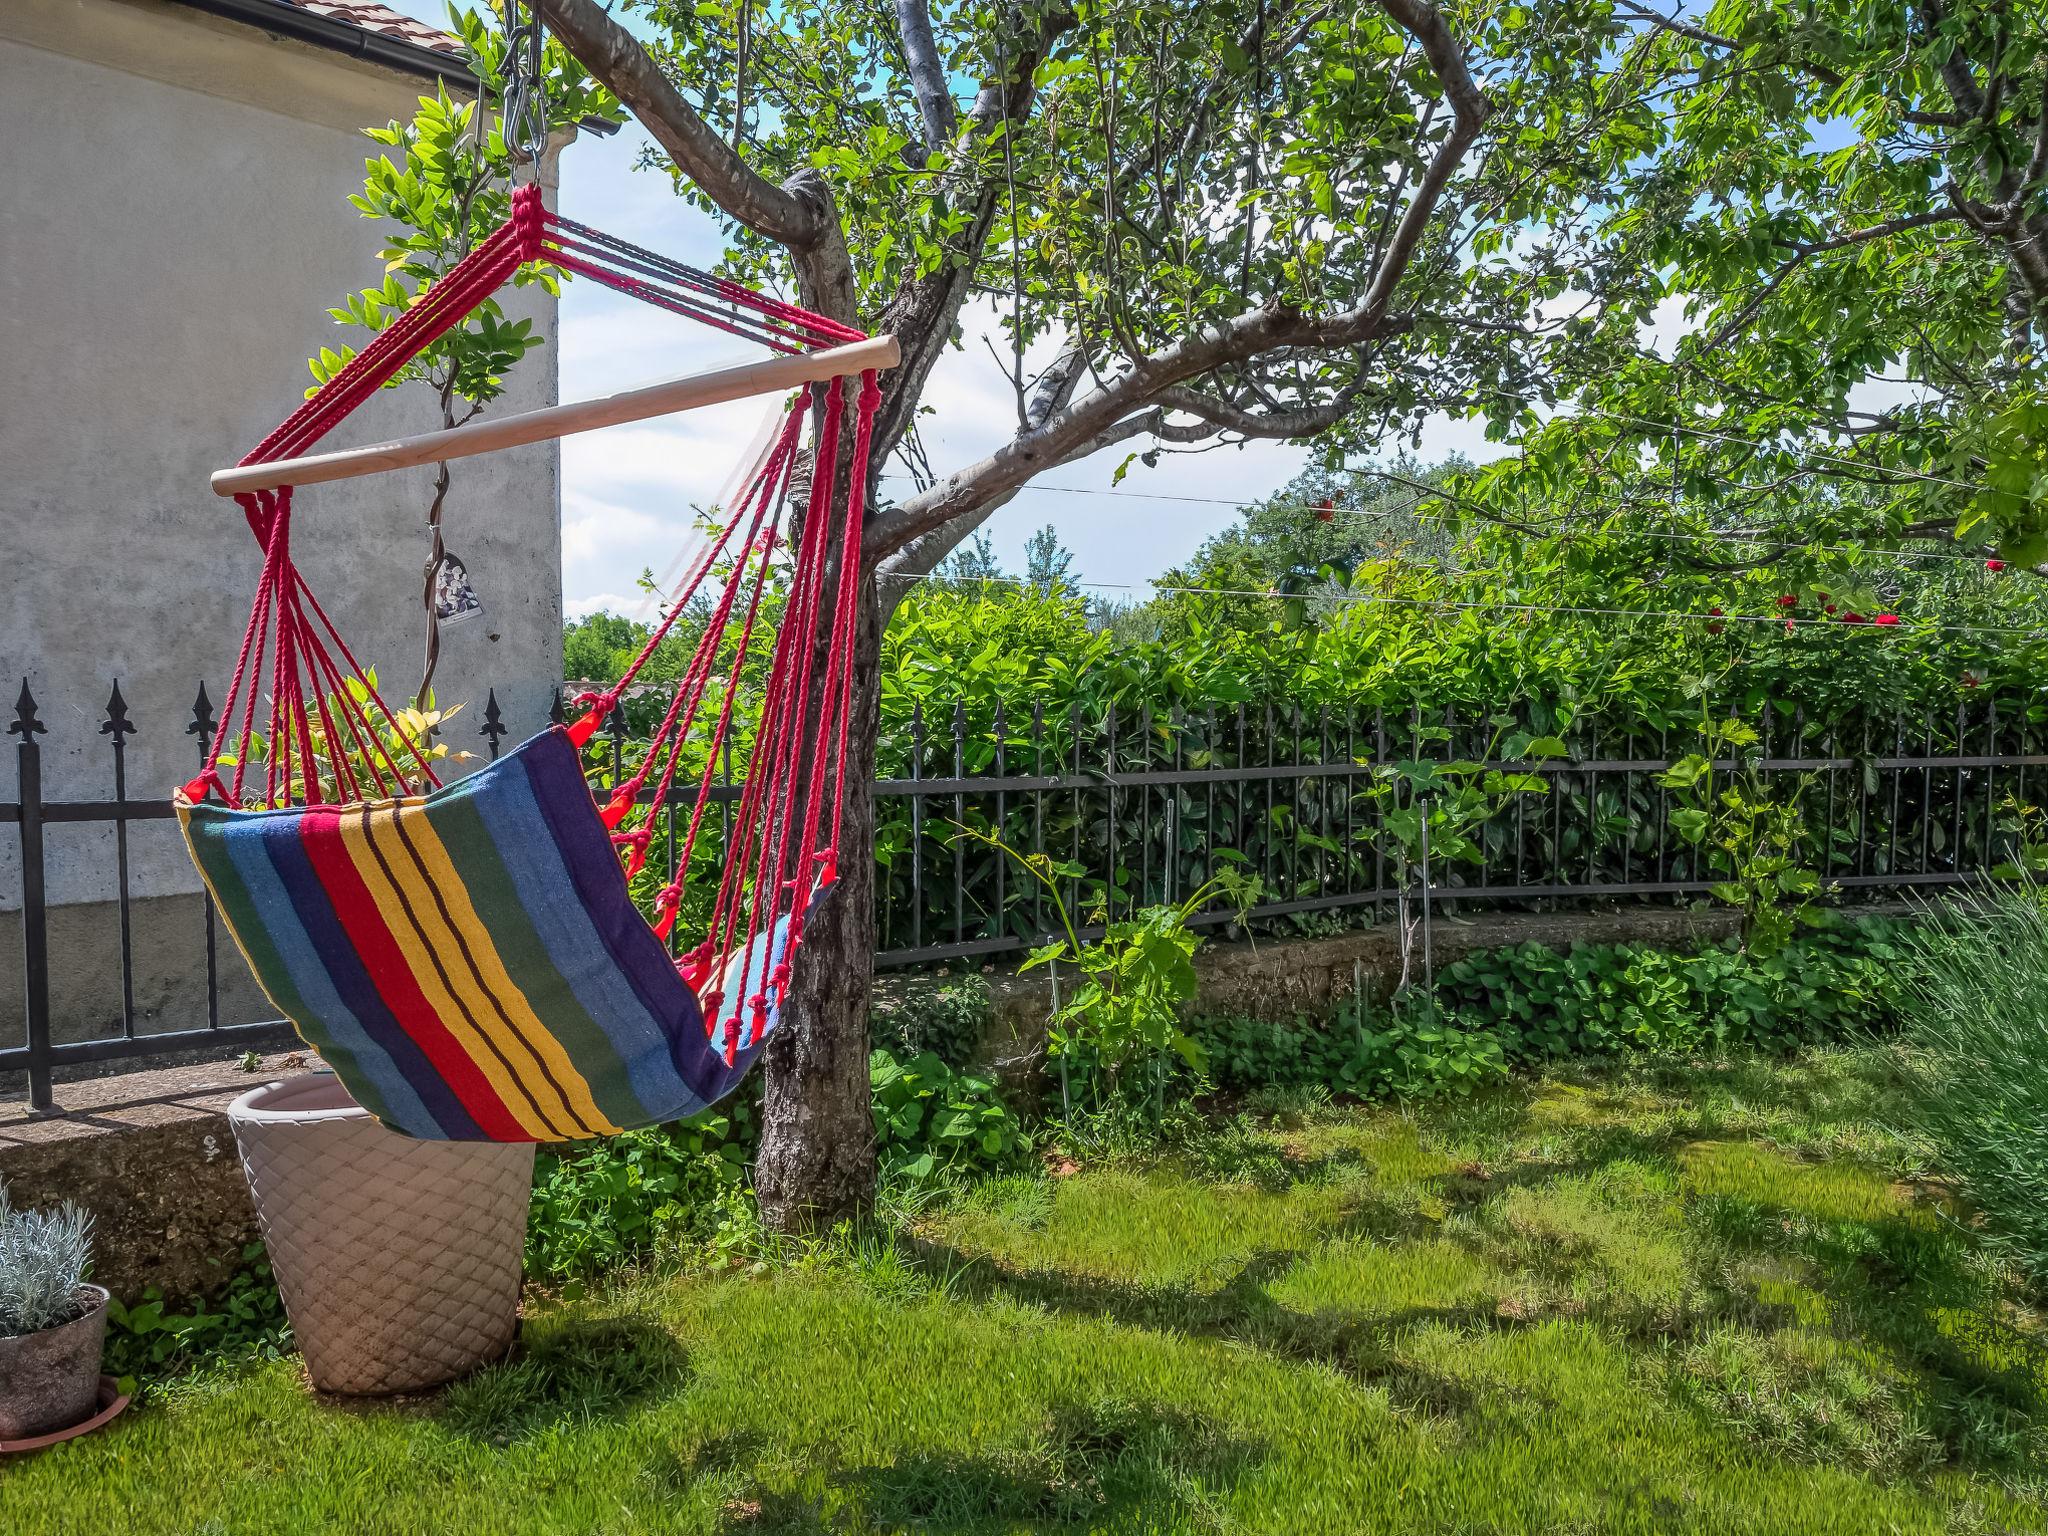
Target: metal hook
x=522 y=98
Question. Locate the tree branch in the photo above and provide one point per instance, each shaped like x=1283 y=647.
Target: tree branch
x=612 y=54
x=923 y=311
x=1244 y=336
x=1224 y=416
x=1811 y=68
x=927 y=73
x=1469 y=111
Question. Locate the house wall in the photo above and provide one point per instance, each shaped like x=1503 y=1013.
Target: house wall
x=174 y=224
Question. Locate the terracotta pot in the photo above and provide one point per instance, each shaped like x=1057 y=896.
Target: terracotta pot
x=51 y=1380
x=398 y=1259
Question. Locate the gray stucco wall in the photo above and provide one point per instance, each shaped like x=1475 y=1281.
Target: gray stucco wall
x=173 y=224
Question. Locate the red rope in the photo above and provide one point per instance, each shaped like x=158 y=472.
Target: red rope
x=775 y=860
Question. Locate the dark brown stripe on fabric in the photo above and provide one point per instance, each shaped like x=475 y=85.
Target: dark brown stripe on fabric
x=447 y=985
x=476 y=971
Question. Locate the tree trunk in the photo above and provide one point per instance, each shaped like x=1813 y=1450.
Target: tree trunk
x=817 y=1157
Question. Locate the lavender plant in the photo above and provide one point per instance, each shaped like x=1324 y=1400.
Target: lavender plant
x=43 y=1257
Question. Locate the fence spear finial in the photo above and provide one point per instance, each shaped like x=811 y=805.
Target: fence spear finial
x=25 y=723
x=117 y=724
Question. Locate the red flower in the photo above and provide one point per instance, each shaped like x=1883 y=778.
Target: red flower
x=1715 y=612
x=1790 y=625
x=1970 y=679
x=1994 y=565
x=1852 y=618
x=1888 y=620
x=1830 y=608
x=1789 y=600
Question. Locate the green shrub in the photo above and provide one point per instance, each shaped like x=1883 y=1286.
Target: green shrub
x=1975 y=1058
x=1528 y=1003
x=948 y=1019
x=152 y=1343
x=1410 y=1050
x=614 y=1202
x=1593 y=999
x=930 y=1117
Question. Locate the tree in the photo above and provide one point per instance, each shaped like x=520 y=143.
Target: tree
x=971 y=566
x=1850 y=204
x=1334 y=518
x=1201 y=224
x=1047 y=561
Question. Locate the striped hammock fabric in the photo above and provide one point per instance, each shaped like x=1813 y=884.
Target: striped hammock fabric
x=469 y=961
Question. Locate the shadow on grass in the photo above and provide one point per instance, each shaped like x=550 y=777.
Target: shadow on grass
x=1105 y=1464
x=1360 y=1346
x=566 y=1371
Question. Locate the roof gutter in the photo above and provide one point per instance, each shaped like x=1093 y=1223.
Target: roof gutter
x=282 y=19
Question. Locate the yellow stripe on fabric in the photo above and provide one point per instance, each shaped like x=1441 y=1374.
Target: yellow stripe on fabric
x=511 y=1005
x=398 y=914
x=530 y=1054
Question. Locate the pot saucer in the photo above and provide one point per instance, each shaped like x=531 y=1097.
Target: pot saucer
x=111 y=1401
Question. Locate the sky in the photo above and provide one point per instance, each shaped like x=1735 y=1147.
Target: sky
x=627 y=492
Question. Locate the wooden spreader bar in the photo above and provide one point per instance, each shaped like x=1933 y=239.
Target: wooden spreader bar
x=698 y=389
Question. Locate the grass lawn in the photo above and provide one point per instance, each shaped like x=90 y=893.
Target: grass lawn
x=1660 y=1299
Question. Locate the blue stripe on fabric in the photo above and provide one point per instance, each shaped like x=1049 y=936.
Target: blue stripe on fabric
x=355 y=989
x=566 y=923
x=310 y=978
x=579 y=837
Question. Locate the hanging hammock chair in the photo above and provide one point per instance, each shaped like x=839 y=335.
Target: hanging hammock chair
x=467 y=957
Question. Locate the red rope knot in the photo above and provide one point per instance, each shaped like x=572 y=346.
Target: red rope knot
x=780 y=981
x=529 y=220
x=208 y=780
x=584 y=726
x=870 y=391
x=667 y=901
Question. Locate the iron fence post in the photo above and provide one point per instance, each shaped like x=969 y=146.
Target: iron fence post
x=35 y=915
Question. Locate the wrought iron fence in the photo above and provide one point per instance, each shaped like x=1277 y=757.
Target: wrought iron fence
x=1138 y=808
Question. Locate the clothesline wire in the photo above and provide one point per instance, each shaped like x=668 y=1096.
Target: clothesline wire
x=1562 y=528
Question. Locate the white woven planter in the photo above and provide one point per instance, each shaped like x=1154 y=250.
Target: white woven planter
x=398 y=1260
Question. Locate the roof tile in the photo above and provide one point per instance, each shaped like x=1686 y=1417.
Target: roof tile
x=372 y=17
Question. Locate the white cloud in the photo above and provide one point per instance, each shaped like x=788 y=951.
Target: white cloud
x=623 y=603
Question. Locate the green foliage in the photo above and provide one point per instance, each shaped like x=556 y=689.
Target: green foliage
x=1753 y=838
x=947 y=1018
x=1975 y=1055
x=152 y=1346
x=971 y=678
x=1134 y=981
x=932 y=1119
x=441 y=187
x=1812 y=191
x=1836 y=984
x=1528 y=1004
x=402 y=736
x=624 y=1200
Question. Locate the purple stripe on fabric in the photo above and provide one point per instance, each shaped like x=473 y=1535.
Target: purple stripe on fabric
x=556 y=776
